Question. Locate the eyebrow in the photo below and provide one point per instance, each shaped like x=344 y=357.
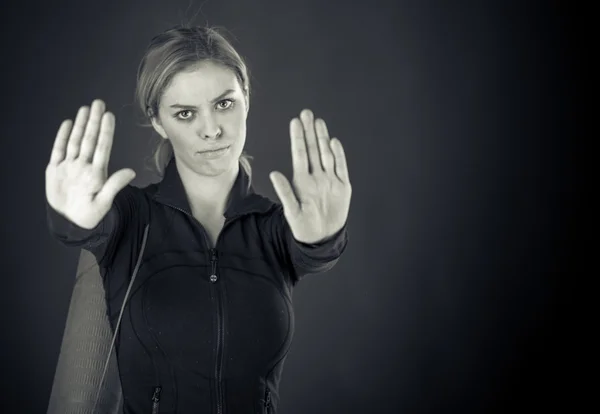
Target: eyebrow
x=228 y=91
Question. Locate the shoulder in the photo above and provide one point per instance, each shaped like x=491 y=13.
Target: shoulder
x=132 y=201
x=139 y=194
x=272 y=222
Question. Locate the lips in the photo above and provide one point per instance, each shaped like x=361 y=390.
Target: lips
x=214 y=150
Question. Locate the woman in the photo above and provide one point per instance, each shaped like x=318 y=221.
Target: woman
x=204 y=265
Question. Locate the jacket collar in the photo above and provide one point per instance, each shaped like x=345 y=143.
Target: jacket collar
x=243 y=199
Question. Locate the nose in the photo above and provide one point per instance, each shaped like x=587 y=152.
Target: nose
x=209 y=127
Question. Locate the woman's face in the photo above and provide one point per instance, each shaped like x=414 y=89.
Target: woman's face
x=202 y=110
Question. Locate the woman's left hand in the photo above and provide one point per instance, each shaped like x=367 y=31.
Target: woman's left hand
x=317 y=205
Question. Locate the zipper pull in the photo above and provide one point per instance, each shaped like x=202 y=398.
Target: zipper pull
x=213 y=262
x=156 y=399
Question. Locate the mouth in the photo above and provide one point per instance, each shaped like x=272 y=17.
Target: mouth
x=210 y=151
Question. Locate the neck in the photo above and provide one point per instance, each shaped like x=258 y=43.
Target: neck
x=207 y=194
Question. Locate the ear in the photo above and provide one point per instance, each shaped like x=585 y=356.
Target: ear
x=158 y=127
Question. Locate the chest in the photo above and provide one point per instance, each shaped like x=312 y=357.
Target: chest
x=179 y=317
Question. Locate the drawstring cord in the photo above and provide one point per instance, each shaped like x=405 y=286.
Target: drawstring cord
x=137 y=266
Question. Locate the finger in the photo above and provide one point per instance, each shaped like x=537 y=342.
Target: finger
x=312 y=145
x=286 y=195
x=77 y=132
x=114 y=184
x=88 y=144
x=60 y=142
x=323 y=137
x=341 y=167
x=105 y=141
x=299 y=156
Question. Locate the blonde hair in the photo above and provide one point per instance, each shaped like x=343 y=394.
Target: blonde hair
x=176 y=50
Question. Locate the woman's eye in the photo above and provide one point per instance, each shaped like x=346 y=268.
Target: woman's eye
x=225 y=103
x=183 y=112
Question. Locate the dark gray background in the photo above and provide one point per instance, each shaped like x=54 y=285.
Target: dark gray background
x=455 y=118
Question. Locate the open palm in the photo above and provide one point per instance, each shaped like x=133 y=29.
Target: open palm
x=316 y=205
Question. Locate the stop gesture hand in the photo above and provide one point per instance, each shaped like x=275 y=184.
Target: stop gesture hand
x=317 y=202
x=77 y=182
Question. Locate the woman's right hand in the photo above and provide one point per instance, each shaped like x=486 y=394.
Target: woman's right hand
x=76 y=177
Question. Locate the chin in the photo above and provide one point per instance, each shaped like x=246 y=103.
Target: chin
x=216 y=166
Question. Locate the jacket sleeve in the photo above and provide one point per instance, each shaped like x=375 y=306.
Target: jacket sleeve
x=101 y=239
x=84 y=351
x=300 y=258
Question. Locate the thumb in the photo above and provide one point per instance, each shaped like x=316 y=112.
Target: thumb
x=284 y=191
x=114 y=184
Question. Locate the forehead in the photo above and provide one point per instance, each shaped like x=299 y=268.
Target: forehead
x=201 y=83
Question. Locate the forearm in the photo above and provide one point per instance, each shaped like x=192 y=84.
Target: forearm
x=70 y=234
x=318 y=257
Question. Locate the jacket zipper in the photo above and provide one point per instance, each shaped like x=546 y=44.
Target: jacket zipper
x=220 y=330
x=220 y=339
x=156 y=400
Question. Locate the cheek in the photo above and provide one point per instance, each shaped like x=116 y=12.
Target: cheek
x=181 y=133
x=175 y=129
x=237 y=125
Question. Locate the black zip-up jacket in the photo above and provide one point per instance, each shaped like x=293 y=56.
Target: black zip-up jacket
x=205 y=330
